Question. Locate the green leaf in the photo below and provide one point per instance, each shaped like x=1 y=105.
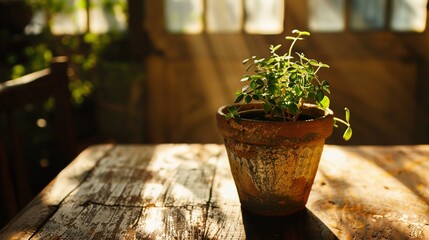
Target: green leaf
x=232 y=109
x=259 y=60
x=253 y=84
x=232 y=113
x=267 y=107
x=244 y=78
x=272 y=88
x=325 y=87
x=298 y=90
x=319 y=96
x=239 y=98
x=347 y=134
x=273 y=49
x=314 y=63
x=347 y=114
x=248 y=99
x=324 y=103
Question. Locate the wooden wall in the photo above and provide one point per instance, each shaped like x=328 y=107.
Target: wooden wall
x=382 y=76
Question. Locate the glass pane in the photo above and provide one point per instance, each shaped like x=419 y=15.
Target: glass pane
x=37 y=23
x=264 y=16
x=107 y=16
x=368 y=14
x=409 y=15
x=224 y=15
x=326 y=15
x=184 y=16
x=71 y=19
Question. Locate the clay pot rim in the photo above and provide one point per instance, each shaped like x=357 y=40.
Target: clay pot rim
x=327 y=113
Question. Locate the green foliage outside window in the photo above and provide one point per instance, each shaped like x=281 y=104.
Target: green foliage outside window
x=25 y=53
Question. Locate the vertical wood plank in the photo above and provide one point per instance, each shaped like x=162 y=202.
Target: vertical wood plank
x=224 y=219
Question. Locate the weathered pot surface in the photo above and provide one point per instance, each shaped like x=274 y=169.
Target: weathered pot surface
x=274 y=163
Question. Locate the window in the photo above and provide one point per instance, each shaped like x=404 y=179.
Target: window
x=79 y=16
x=224 y=15
x=367 y=14
x=326 y=15
x=184 y=16
x=264 y=16
x=220 y=16
x=409 y=15
x=395 y=15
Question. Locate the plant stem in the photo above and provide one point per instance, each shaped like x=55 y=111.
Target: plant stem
x=342 y=121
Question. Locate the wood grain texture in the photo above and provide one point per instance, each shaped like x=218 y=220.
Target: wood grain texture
x=38 y=211
x=373 y=192
x=181 y=191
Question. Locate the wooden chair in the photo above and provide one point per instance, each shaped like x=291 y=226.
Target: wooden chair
x=32 y=88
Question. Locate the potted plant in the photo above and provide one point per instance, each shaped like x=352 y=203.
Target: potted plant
x=275 y=131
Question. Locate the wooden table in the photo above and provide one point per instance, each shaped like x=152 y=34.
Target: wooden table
x=187 y=192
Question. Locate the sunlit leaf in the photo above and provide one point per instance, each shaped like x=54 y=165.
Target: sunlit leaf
x=347 y=134
x=325 y=102
x=273 y=49
x=347 y=114
x=244 y=78
x=314 y=63
x=253 y=84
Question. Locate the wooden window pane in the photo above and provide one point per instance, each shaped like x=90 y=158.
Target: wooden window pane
x=224 y=15
x=184 y=16
x=107 y=17
x=409 y=15
x=264 y=16
x=71 y=20
x=367 y=14
x=326 y=15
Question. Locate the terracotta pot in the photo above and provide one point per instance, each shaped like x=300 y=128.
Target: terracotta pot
x=274 y=163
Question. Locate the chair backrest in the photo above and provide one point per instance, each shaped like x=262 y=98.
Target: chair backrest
x=32 y=88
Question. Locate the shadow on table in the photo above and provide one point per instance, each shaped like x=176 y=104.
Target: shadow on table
x=301 y=225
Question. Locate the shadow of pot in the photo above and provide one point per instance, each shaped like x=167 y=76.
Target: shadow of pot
x=301 y=225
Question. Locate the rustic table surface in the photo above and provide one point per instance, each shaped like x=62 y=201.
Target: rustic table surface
x=187 y=192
